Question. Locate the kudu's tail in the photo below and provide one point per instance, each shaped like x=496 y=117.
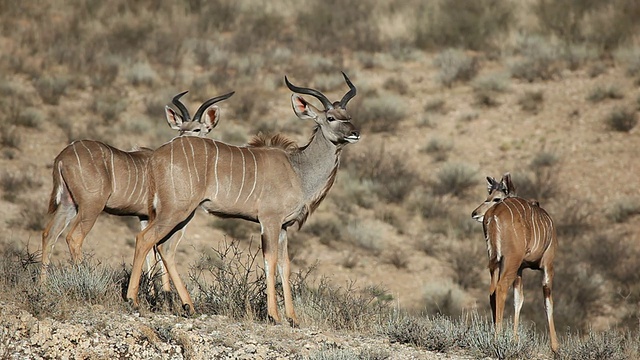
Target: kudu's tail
x=59 y=186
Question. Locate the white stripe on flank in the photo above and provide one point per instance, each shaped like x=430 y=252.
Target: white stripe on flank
x=206 y=160
x=195 y=167
x=255 y=174
x=173 y=180
x=113 y=172
x=135 y=183
x=215 y=169
x=498 y=239
x=230 y=170
x=243 y=174
x=186 y=160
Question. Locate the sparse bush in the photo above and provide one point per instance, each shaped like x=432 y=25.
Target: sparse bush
x=481 y=339
x=543 y=184
x=439 y=149
x=623 y=210
x=236 y=228
x=346 y=308
x=455 y=65
x=328 y=231
x=380 y=113
x=438 y=333
x=260 y=29
x=629 y=57
x=487 y=87
x=321 y=25
x=51 y=88
x=531 y=101
x=476 y=25
x=443 y=298
x=396 y=84
x=30 y=118
x=464 y=257
x=86 y=282
x=609 y=344
x=10 y=138
x=141 y=73
x=454 y=179
x=435 y=105
x=539 y=59
x=109 y=107
x=621 y=119
x=14 y=183
x=398 y=259
x=600 y=93
x=30 y=217
x=231 y=285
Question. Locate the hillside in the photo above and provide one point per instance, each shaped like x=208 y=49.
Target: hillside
x=435 y=121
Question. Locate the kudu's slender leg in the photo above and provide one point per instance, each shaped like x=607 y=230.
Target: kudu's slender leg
x=508 y=274
x=284 y=267
x=167 y=251
x=63 y=215
x=518 y=300
x=270 y=236
x=80 y=227
x=547 y=280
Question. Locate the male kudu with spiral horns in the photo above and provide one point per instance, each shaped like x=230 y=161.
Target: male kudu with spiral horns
x=271 y=181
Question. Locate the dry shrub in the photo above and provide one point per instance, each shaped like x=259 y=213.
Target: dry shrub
x=325 y=28
x=455 y=65
x=455 y=179
x=476 y=25
x=621 y=119
x=380 y=113
x=531 y=101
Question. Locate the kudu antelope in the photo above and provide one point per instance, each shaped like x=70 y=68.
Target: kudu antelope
x=90 y=177
x=271 y=181
x=520 y=235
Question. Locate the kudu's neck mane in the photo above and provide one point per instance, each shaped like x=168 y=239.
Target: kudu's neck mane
x=317 y=165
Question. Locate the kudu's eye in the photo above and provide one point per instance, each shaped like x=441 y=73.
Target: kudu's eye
x=196 y=130
x=330 y=118
x=496 y=199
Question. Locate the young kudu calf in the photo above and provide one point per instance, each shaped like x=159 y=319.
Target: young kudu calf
x=271 y=181
x=519 y=235
x=90 y=177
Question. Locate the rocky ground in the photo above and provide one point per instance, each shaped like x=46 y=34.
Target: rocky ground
x=94 y=333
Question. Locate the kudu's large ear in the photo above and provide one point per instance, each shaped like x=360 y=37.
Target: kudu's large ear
x=492 y=184
x=210 y=118
x=174 y=119
x=507 y=184
x=302 y=108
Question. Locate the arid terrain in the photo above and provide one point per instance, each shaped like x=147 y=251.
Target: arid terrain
x=435 y=121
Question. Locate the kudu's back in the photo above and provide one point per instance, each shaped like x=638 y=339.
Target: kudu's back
x=517 y=225
x=227 y=180
x=94 y=172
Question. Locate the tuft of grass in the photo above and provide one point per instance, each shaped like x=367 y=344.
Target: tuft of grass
x=30 y=118
x=539 y=59
x=87 y=282
x=396 y=85
x=610 y=344
x=621 y=119
x=455 y=65
x=436 y=105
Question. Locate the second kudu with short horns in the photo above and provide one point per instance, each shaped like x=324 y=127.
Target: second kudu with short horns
x=90 y=177
x=520 y=235
x=272 y=182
